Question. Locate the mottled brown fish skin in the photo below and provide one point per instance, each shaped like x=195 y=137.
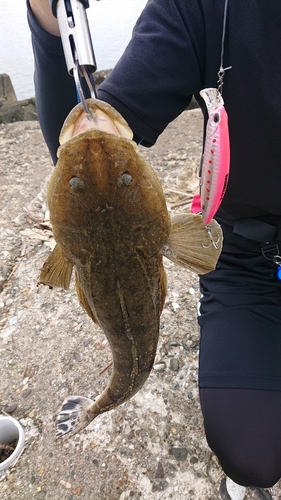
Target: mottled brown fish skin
x=109 y=216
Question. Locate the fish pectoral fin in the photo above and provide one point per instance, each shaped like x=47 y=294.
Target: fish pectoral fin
x=83 y=299
x=56 y=270
x=193 y=245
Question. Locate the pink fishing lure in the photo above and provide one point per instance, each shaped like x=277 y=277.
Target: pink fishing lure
x=216 y=156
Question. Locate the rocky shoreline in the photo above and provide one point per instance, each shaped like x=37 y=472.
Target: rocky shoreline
x=12 y=110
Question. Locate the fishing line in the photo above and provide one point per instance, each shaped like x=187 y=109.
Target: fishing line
x=215 y=161
x=222 y=69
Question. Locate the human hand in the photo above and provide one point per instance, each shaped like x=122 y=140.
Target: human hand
x=43 y=13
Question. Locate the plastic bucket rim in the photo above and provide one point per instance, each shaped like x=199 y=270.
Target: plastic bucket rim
x=20 y=444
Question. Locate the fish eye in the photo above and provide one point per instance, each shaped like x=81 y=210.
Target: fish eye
x=125 y=179
x=77 y=184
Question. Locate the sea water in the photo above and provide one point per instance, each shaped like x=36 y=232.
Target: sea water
x=111 y=23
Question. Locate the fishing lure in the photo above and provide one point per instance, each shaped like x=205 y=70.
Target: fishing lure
x=216 y=156
x=215 y=162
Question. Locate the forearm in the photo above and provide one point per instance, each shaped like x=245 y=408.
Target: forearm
x=44 y=16
x=54 y=88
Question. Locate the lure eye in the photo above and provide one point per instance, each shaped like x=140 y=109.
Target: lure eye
x=216 y=118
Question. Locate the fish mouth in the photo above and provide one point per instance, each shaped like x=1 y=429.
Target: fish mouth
x=100 y=121
x=103 y=117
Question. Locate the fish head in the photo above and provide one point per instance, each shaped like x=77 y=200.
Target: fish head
x=101 y=187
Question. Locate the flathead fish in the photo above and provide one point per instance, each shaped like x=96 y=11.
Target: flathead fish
x=111 y=225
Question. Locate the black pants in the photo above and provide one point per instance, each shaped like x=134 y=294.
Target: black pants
x=240 y=363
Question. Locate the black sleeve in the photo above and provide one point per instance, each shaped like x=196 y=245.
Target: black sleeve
x=54 y=88
x=151 y=84
x=161 y=68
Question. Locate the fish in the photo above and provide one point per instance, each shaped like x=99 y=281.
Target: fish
x=216 y=155
x=112 y=228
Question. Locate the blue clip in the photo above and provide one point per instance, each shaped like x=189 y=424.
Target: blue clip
x=278 y=272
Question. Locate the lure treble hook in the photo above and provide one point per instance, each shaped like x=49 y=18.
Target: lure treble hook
x=214 y=243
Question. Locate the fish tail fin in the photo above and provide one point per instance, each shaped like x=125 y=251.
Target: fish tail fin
x=83 y=299
x=73 y=416
x=193 y=245
x=56 y=270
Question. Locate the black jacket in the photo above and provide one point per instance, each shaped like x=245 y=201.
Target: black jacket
x=175 y=52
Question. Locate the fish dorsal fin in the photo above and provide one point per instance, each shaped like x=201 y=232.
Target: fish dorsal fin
x=190 y=244
x=56 y=270
x=83 y=299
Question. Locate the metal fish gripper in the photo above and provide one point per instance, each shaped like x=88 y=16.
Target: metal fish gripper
x=77 y=45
